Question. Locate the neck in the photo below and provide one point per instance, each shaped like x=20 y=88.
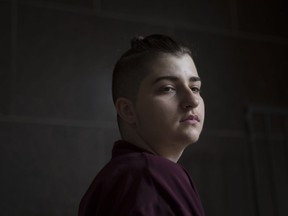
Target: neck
x=165 y=150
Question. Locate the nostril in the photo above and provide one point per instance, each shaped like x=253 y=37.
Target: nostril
x=188 y=106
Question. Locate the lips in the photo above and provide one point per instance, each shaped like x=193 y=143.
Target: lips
x=191 y=119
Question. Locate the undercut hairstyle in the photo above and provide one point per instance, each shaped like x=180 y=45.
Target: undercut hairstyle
x=135 y=63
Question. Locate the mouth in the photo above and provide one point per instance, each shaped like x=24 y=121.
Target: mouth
x=192 y=119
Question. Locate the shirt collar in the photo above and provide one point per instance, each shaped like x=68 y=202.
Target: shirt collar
x=122 y=147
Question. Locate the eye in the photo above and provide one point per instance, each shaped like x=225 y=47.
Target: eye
x=167 y=89
x=195 y=89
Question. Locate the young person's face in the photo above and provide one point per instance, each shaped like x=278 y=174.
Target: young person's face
x=169 y=107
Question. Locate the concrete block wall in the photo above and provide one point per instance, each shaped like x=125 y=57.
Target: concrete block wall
x=57 y=121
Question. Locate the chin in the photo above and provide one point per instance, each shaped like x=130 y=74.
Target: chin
x=191 y=133
x=194 y=140
x=189 y=140
x=193 y=136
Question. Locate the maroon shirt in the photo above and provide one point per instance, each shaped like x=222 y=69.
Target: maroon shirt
x=136 y=182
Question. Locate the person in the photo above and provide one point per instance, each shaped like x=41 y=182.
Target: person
x=160 y=111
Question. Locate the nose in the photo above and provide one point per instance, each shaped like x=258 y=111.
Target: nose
x=190 y=99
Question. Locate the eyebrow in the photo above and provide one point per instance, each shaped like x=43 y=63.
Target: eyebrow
x=174 y=78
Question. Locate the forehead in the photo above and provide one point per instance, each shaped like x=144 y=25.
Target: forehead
x=182 y=67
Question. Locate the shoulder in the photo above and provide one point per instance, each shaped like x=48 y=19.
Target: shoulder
x=124 y=183
x=140 y=184
x=136 y=175
x=162 y=169
x=137 y=170
x=123 y=173
x=143 y=165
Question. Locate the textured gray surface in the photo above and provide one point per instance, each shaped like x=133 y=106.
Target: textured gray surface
x=57 y=121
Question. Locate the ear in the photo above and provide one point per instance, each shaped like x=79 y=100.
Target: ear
x=125 y=110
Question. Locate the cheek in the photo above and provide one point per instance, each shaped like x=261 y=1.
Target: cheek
x=154 y=111
x=157 y=110
x=162 y=109
x=203 y=106
x=144 y=112
x=202 y=109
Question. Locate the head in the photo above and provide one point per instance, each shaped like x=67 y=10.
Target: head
x=156 y=85
x=135 y=63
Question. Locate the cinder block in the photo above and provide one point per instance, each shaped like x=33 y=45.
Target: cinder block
x=263 y=17
x=5 y=57
x=46 y=169
x=68 y=3
x=66 y=62
x=212 y=14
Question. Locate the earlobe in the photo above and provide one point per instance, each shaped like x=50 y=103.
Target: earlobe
x=125 y=110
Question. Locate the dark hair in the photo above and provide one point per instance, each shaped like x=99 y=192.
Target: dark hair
x=134 y=64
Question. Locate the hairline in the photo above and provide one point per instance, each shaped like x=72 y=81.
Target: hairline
x=152 y=57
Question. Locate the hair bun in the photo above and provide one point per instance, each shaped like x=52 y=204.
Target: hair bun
x=136 y=41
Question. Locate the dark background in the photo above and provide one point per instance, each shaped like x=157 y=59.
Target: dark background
x=57 y=121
